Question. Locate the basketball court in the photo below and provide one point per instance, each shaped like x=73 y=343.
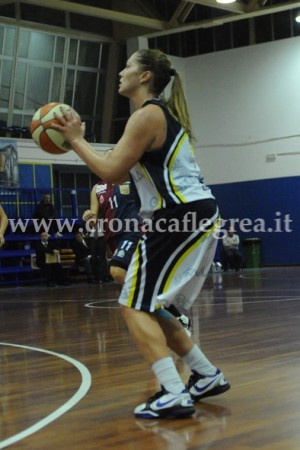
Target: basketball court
x=71 y=375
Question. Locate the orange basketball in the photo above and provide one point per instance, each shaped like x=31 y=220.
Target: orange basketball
x=47 y=138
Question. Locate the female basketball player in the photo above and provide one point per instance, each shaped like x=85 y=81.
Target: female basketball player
x=114 y=205
x=171 y=262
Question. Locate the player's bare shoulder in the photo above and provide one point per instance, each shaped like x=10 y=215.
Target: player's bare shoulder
x=151 y=124
x=149 y=114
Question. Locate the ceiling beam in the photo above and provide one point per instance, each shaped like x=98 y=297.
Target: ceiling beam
x=232 y=7
x=151 y=12
x=182 y=11
x=209 y=23
x=154 y=27
x=6 y=2
x=253 y=5
x=100 y=13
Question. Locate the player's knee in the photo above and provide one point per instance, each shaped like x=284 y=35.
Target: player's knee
x=118 y=274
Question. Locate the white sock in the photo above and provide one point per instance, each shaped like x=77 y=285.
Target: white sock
x=167 y=375
x=196 y=360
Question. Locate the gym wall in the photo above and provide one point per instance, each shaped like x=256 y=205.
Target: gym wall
x=245 y=110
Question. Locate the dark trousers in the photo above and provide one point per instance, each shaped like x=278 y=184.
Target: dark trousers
x=53 y=273
x=86 y=263
x=231 y=258
x=97 y=248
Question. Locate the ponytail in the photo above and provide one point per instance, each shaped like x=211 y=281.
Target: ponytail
x=160 y=65
x=177 y=105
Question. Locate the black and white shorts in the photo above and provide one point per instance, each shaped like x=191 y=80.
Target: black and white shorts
x=171 y=265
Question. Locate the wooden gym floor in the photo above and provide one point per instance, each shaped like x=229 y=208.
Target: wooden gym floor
x=71 y=376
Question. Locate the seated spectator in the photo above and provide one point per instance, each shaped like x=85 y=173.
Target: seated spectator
x=47 y=259
x=83 y=255
x=3 y=225
x=45 y=211
x=230 y=253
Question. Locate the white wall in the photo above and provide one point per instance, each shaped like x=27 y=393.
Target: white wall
x=245 y=105
x=28 y=151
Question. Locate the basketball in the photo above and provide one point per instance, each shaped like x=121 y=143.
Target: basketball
x=47 y=138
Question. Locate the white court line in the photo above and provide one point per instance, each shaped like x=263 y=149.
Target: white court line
x=201 y=305
x=46 y=302
x=229 y=289
x=91 y=304
x=292 y=299
x=272 y=300
x=86 y=381
x=236 y=295
x=253 y=276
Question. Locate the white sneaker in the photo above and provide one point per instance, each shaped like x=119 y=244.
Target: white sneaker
x=166 y=405
x=200 y=386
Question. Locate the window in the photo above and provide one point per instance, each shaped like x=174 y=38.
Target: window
x=73 y=183
x=45 y=67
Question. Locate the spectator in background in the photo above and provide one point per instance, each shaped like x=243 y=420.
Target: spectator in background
x=3 y=225
x=230 y=253
x=98 y=250
x=45 y=211
x=47 y=259
x=83 y=255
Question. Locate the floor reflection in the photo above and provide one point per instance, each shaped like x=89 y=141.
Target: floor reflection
x=201 y=431
x=234 y=301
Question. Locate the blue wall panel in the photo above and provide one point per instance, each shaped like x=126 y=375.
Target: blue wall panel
x=43 y=176
x=26 y=174
x=274 y=202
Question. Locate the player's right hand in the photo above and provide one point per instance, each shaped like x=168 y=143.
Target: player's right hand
x=88 y=215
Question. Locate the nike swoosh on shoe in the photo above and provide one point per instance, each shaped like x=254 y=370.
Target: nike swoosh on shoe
x=160 y=405
x=204 y=387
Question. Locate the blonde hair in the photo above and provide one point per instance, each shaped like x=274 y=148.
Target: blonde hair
x=159 y=64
